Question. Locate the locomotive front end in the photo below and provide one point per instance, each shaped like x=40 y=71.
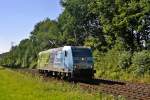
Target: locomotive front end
x=83 y=66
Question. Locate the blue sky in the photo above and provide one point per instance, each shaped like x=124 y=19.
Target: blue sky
x=18 y=17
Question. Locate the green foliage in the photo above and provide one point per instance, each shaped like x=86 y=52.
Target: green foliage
x=85 y=22
x=106 y=64
x=124 y=60
x=92 y=42
x=141 y=62
x=122 y=18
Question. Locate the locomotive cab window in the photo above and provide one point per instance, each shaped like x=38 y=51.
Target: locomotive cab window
x=81 y=52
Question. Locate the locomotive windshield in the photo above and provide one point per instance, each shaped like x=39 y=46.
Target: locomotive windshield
x=81 y=52
x=82 y=55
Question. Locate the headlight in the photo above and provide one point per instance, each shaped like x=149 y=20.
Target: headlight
x=76 y=66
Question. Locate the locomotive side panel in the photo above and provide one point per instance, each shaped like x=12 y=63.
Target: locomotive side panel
x=55 y=60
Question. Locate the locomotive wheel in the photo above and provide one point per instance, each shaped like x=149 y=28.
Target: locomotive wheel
x=50 y=74
x=69 y=78
x=46 y=73
x=59 y=75
x=63 y=76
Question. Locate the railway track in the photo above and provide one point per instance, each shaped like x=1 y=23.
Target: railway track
x=131 y=91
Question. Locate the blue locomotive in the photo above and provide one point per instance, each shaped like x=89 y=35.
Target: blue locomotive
x=67 y=61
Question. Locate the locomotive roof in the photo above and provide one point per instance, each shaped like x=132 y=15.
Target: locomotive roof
x=50 y=50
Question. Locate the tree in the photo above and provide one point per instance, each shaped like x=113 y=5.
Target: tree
x=84 y=23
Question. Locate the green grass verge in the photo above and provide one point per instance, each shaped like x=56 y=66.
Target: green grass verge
x=17 y=86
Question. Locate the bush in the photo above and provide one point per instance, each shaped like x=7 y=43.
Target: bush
x=106 y=63
x=141 y=62
x=124 y=60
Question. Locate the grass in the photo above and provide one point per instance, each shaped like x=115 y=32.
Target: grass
x=17 y=86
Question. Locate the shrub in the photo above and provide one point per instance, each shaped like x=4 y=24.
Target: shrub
x=141 y=62
x=106 y=63
x=124 y=60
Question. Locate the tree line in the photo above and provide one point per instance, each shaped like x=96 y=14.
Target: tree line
x=103 y=25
